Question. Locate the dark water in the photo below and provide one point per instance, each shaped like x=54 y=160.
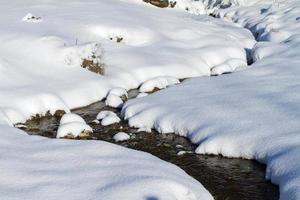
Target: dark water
x=226 y=179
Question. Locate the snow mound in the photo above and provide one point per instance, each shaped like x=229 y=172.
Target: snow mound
x=121 y=136
x=73 y=129
x=105 y=113
x=53 y=169
x=71 y=117
x=109 y=120
x=158 y=82
x=108 y=117
x=118 y=91
x=72 y=125
x=114 y=101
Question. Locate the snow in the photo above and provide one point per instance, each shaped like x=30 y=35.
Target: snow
x=121 y=136
x=71 y=117
x=253 y=113
x=119 y=92
x=110 y=120
x=142 y=94
x=158 y=82
x=105 y=113
x=73 y=128
x=41 y=70
x=114 y=101
x=144 y=129
x=37 y=168
x=72 y=124
x=108 y=117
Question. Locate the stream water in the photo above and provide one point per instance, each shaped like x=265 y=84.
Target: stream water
x=226 y=179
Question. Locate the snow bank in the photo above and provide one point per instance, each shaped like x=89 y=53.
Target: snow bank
x=37 y=168
x=253 y=113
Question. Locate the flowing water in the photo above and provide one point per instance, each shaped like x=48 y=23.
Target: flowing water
x=226 y=179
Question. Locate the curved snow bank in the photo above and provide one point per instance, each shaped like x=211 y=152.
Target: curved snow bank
x=40 y=63
x=252 y=114
x=37 y=168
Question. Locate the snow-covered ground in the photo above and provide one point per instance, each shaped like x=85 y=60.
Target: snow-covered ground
x=44 y=44
x=253 y=113
x=36 y=168
x=40 y=62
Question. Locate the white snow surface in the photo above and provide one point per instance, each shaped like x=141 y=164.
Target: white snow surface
x=48 y=76
x=253 y=113
x=118 y=91
x=109 y=120
x=37 y=168
x=160 y=82
x=121 y=136
x=40 y=71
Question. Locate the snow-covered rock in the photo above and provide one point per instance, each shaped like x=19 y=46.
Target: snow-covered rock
x=49 y=76
x=73 y=130
x=71 y=117
x=158 y=82
x=109 y=120
x=73 y=126
x=113 y=101
x=121 y=136
x=121 y=92
x=108 y=117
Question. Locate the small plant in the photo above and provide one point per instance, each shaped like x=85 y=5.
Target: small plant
x=94 y=62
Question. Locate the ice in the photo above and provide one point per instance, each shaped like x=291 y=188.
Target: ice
x=42 y=71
